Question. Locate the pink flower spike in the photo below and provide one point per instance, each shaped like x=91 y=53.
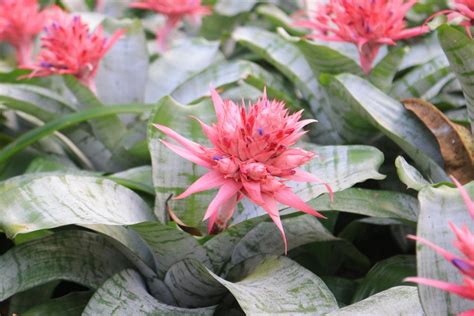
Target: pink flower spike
x=20 y=22
x=368 y=24
x=467 y=200
x=175 y=11
x=466 y=291
x=68 y=47
x=251 y=156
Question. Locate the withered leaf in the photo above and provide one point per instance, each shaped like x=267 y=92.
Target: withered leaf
x=455 y=141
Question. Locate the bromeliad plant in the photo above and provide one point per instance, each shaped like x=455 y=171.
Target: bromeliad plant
x=112 y=159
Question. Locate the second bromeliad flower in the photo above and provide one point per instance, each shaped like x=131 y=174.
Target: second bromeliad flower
x=251 y=157
x=369 y=24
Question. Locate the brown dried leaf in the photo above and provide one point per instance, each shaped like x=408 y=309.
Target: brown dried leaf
x=455 y=141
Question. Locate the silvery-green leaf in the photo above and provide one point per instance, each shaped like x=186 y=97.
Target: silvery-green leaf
x=220 y=74
x=376 y=203
x=289 y=60
x=384 y=275
x=192 y=285
x=138 y=178
x=175 y=66
x=77 y=256
x=425 y=49
x=385 y=70
x=392 y=119
x=47 y=163
x=233 y=7
x=418 y=82
x=123 y=72
x=25 y=300
x=339 y=166
x=125 y=294
x=440 y=206
x=39 y=201
x=277 y=285
x=409 y=175
x=170 y=245
x=279 y=18
x=171 y=173
x=399 y=300
x=459 y=48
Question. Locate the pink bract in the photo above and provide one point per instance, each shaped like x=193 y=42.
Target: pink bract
x=368 y=24
x=463 y=12
x=175 y=11
x=465 y=244
x=68 y=47
x=20 y=22
x=251 y=157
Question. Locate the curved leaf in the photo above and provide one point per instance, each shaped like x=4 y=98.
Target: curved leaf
x=125 y=294
x=171 y=173
x=408 y=174
x=278 y=285
x=392 y=119
x=123 y=72
x=40 y=201
x=78 y=256
x=384 y=275
x=439 y=207
x=399 y=300
x=383 y=73
x=69 y=305
x=459 y=49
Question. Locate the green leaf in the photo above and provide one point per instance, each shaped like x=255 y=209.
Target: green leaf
x=123 y=72
x=77 y=256
x=170 y=245
x=279 y=18
x=171 y=173
x=408 y=174
x=25 y=300
x=220 y=74
x=65 y=121
x=50 y=163
x=289 y=60
x=176 y=66
x=41 y=201
x=138 y=178
x=340 y=166
x=192 y=285
x=419 y=82
x=376 y=203
x=438 y=207
x=126 y=294
x=233 y=7
x=392 y=119
x=278 y=285
x=399 y=300
x=69 y=305
x=384 y=275
x=39 y=102
x=459 y=49
x=383 y=73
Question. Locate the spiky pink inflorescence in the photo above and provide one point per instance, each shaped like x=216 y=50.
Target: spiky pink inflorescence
x=465 y=244
x=20 y=22
x=175 y=11
x=68 y=47
x=368 y=24
x=251 y=156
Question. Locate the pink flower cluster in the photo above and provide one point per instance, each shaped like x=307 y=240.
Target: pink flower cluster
x=251 y=156
x=465 y=244
x=368 y=24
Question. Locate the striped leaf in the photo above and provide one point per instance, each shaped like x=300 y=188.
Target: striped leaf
x=123 y=72
x=385 y=70
x=440 y=206
x=82 y=257
x=399 y=300
x=176 y=66
x=69 y=305
x=125 y=294
x=392 y=119
x=277 y=285
x=171 y=173
x=409 y=175
x=459 y=49
x=40 y=201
